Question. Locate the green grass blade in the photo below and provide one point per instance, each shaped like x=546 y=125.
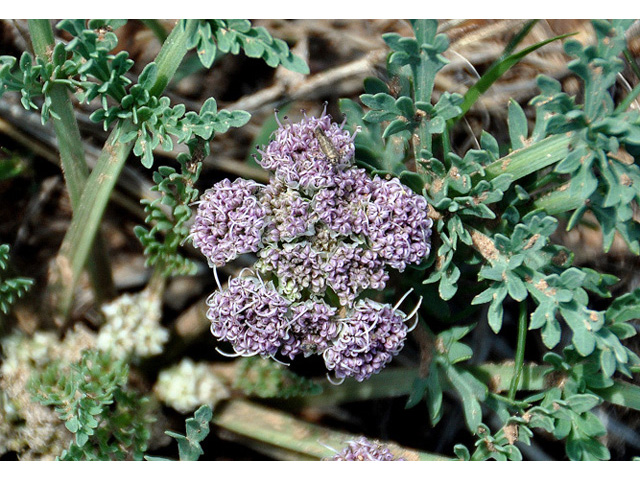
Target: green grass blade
x=72 y=158
x=515 y=41
x=497 y=71
x=95 y=196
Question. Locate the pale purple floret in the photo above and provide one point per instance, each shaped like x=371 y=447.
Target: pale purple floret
x=350 y=269
x=369 y=338
x=251 y=315
x=343 y=207
x=229 y=221
x=399 y=225
x=312 y=328
x=296 y=157
x=288 y=213
x=362 y=450
x=297 y=266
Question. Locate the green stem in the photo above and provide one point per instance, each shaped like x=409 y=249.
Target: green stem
x=156 y=27
x=423 y=79
x=391 y=382
x=515 y=41
x=499 y=376
x=86 y=220
x=171 y=55
x=279 y=432
x=72 y=158
x=398 y=382
x=632 y=63
x=537 y=184
x=622 y=393
x=519 y=357
x=524 y=161
x=496 y=71
x=559 y=201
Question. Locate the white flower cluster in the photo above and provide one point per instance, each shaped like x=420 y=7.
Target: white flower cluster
x=32 y=430
x=22 y=351
x=188 y=385
x=133 y=326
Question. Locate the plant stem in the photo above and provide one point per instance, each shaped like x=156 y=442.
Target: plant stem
x=558 y=201
x=72 y=158
x=521 y=163
x=86 y=220
x=515 y=41
x=622 y=393
x=519 y=358
x=398 y=382
x=496 y=71
x=171 y=55
x=278 y=431
x=500 y=376
x=156 y=27
x=391 y=382
x=423 y=79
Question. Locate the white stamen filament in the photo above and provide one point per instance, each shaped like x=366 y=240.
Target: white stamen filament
x=335 y=383
x=215 y=274
x=272 y=357
x=229 y=355
x=414 y=312
x=402 y=299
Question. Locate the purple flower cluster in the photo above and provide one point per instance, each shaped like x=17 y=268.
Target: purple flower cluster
x=251 y=315
x=296 y=155
x=312 y=329
x=350 y=269
x=368 y=340
x=399 y=229
x=288 y=213
x=320 y=227
x=296 y=266
x=343 y=208
x=229 y=221
x=363 y=450
x=257 y=320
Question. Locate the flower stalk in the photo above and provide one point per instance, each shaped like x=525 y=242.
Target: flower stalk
x=399 y=382
x=92 y=204
x=72 y=158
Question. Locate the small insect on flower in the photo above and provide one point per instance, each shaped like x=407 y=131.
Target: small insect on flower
x=327 y=146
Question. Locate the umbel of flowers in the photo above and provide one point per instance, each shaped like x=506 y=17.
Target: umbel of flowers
x=324 y=231
x=364 y=450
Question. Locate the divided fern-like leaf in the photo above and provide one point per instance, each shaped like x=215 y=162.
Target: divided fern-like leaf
x=91 y=397
x=11 y=289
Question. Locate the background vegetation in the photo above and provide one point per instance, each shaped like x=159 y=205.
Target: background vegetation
x=528 y=244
